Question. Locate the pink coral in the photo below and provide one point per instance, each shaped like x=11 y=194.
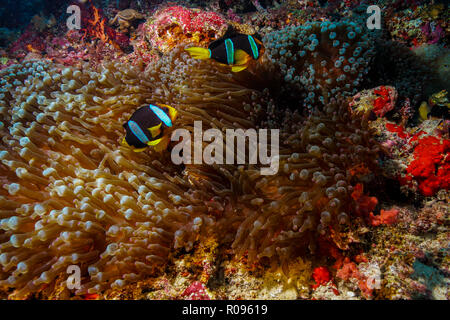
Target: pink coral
x=433 y=32
x=196 y=291
x=31 y=40
x=348 y=271
x=385 y=101
x=176 y=24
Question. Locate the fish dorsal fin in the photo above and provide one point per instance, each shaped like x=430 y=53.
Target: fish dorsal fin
x=228 y=34
x=258 y=38
x=172 y=111
x=216 y=43
x=231 y=31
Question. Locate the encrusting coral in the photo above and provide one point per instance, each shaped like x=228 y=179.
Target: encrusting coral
x=174 y=25
x=71 y=195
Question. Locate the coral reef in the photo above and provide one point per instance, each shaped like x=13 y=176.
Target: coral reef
x=419 y=24
x=89 y=202
x=379 y=100
x=125 y=18
x=358 y=209
x=397 y=66
x=174 y=25
x=421 y=155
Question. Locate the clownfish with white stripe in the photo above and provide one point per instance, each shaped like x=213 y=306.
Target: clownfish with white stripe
x=233 y=49
x=149 y=126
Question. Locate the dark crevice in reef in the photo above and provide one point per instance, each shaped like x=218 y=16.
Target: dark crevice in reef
x=394 y=64
x=246 y=7
x=388 y=190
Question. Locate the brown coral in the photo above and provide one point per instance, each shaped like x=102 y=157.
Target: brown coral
x=125 y=18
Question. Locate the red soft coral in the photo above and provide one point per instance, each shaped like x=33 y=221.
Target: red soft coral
x=385 y=101
x=321 y=276
x=430 y=166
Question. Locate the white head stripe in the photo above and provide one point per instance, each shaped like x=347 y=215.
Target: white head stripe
x=161 y=115
x=137 y=131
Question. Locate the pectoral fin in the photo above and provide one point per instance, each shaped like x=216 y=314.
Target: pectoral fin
x=155 y=131
x=139 y=150
x=241 y=57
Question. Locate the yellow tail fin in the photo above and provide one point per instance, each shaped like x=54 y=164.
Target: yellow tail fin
x=199 y=53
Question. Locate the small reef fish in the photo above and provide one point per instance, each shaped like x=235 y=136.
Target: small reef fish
x=149 y=126
x=233 y=49
x=438 y=107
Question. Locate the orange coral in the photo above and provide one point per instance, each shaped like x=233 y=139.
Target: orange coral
x=348 y=271
x=386 y=217
x=364 y=204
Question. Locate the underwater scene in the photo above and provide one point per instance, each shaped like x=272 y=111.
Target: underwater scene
x=224 y=150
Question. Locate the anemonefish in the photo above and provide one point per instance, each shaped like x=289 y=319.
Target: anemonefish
x=149 y=126
x=233 y=49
